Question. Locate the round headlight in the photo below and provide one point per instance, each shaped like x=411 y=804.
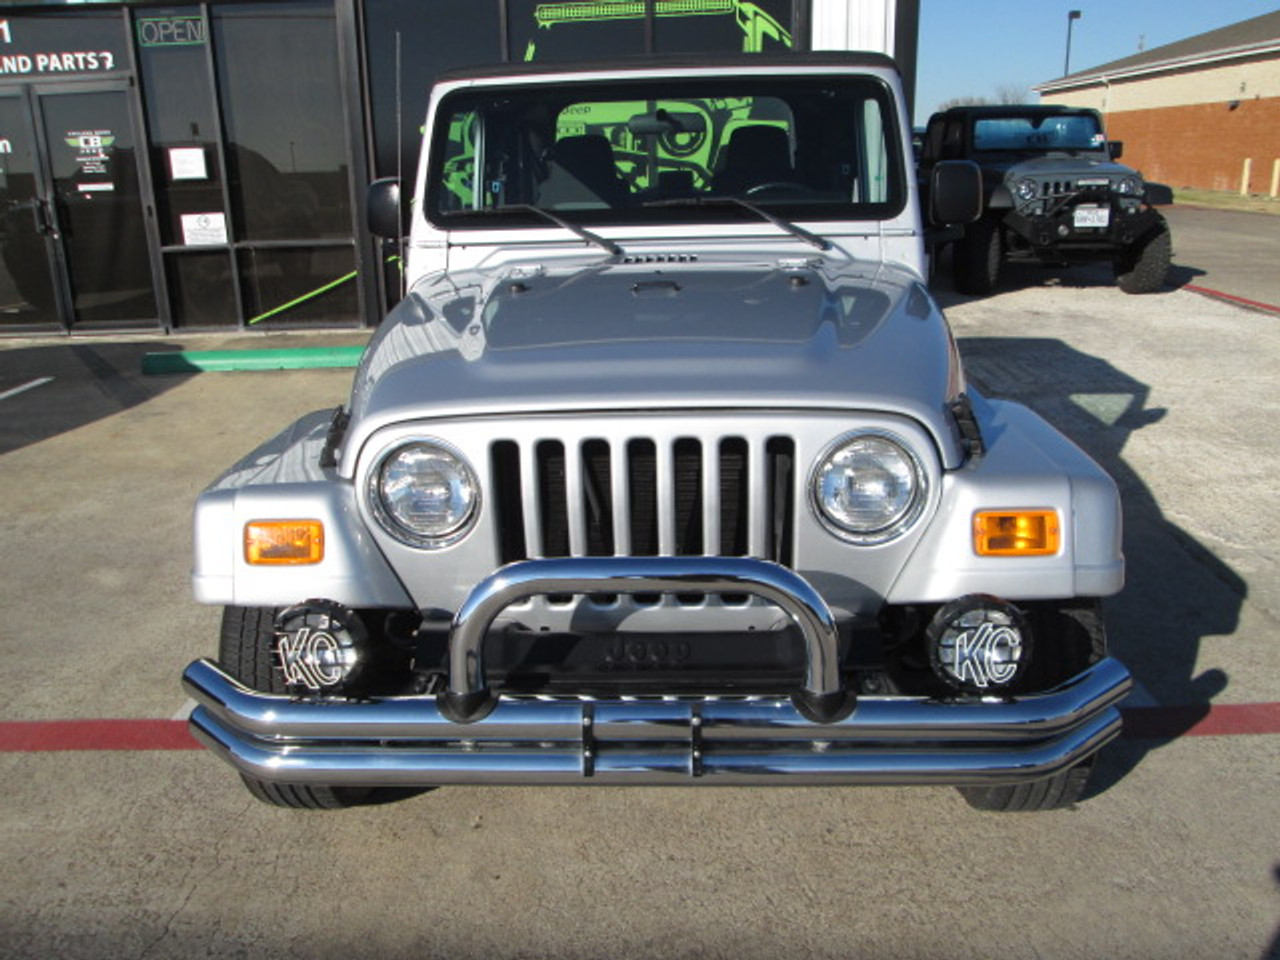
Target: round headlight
x=868 y=488
x=1129 y=187
x=1027 y=190
x=424 y=494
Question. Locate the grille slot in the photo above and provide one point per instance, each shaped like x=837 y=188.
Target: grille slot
x=635 y=496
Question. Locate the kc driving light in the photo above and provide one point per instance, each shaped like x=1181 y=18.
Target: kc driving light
x=321 y=647
x=979 y=645
x=868 y=488
x=424 y=494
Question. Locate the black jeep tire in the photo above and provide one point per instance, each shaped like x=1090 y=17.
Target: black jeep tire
x=1069 y=637
x=1053 y=793
x=245 y=650
x=977 y=257
x=1143 y=267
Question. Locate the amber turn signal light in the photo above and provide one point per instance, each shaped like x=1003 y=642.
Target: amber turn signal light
x=283 y=542
x=1016 y=533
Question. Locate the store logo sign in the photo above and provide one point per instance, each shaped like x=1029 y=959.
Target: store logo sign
x=171 y=31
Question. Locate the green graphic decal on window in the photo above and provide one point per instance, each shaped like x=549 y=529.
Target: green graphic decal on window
x=759 y=29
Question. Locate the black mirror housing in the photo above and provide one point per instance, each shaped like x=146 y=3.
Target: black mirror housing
x=383 y=211
x=955 y=192
x=1115 y=149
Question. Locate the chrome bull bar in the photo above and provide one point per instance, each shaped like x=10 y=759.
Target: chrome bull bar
x=821 y=697
x=818 y=736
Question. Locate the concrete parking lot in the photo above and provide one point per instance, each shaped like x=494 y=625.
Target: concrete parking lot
x=121 y=840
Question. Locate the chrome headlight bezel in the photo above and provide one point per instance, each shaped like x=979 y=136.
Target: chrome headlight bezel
x=463 y=484
x=898 y=520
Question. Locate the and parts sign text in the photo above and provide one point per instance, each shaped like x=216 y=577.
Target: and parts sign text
x=58 y=45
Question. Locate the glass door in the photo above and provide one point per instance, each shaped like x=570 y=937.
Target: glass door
x=96 y=221
x=29 y=297
x=74 y=245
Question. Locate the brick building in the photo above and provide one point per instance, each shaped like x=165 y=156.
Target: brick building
x=1202 y=112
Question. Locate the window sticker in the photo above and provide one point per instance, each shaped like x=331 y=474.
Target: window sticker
x=202 y=229
x=187 y=163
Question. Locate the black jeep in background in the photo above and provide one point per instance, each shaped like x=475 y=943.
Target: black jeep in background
x=1053 y=193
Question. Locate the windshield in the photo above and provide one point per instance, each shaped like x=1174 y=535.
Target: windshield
x=650 y=151
x=1072 y=131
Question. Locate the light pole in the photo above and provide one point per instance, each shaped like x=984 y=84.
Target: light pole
x=1072 y=16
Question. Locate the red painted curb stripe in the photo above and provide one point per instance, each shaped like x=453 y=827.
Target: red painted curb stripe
x=1222 y=720
x=57 y=735
x=1140 y=723
x=1218 y=294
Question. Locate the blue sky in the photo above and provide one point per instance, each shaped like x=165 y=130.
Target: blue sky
x=973 y=47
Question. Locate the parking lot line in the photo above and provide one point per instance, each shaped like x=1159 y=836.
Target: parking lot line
x=1231 y=298
x=25 y=387
x=52 y=736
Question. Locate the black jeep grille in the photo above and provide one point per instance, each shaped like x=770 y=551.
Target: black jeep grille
x=641 y=497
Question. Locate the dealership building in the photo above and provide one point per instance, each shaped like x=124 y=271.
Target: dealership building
x=203 y=166
x=1203 y=112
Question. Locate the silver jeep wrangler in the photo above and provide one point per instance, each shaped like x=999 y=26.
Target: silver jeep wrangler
x=665 y=471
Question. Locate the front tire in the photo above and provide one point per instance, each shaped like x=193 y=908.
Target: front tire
x=246 y=650
x=977 y=258
x=1069 y=638
x=1144 y=267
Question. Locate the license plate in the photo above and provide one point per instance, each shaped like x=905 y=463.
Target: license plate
x=1092 y=216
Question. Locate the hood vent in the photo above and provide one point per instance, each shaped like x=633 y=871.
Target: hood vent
x=661 y=258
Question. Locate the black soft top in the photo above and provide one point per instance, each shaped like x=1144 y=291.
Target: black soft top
x=735 y=62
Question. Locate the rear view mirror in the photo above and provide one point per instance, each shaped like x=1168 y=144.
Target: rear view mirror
x=1115 y=149
x=661 y=122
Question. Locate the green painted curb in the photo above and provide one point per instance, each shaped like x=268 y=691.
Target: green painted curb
x=293 y=358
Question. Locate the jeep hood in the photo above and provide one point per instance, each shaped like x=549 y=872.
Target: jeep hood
x=1063 y=165
x=621 y=336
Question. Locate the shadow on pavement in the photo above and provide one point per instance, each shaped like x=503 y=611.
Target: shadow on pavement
x=1023 y=275
x=1177 y=592
x=71 y=384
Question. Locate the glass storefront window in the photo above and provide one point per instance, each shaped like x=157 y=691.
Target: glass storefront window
x=172 y=54
x=722 y=26
x=286 y=136
x=201 y=289
x=427 y=48
x=563 y=31
x=299 y=285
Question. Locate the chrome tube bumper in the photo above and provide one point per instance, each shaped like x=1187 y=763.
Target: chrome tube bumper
x=408 y=741
x=820 y=735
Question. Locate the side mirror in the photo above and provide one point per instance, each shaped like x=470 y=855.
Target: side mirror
x=1115 y=149
x=382 y=209
x=955 y=192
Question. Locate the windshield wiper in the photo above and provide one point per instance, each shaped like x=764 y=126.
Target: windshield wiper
x=785 y=225
x=583 y=232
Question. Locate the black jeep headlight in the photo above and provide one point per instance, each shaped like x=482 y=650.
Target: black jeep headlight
x=1026 y=190
x=868 y=488
x=1129 y=187
x=424 y=494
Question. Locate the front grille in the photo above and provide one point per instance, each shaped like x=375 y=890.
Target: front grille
x=691 y=496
